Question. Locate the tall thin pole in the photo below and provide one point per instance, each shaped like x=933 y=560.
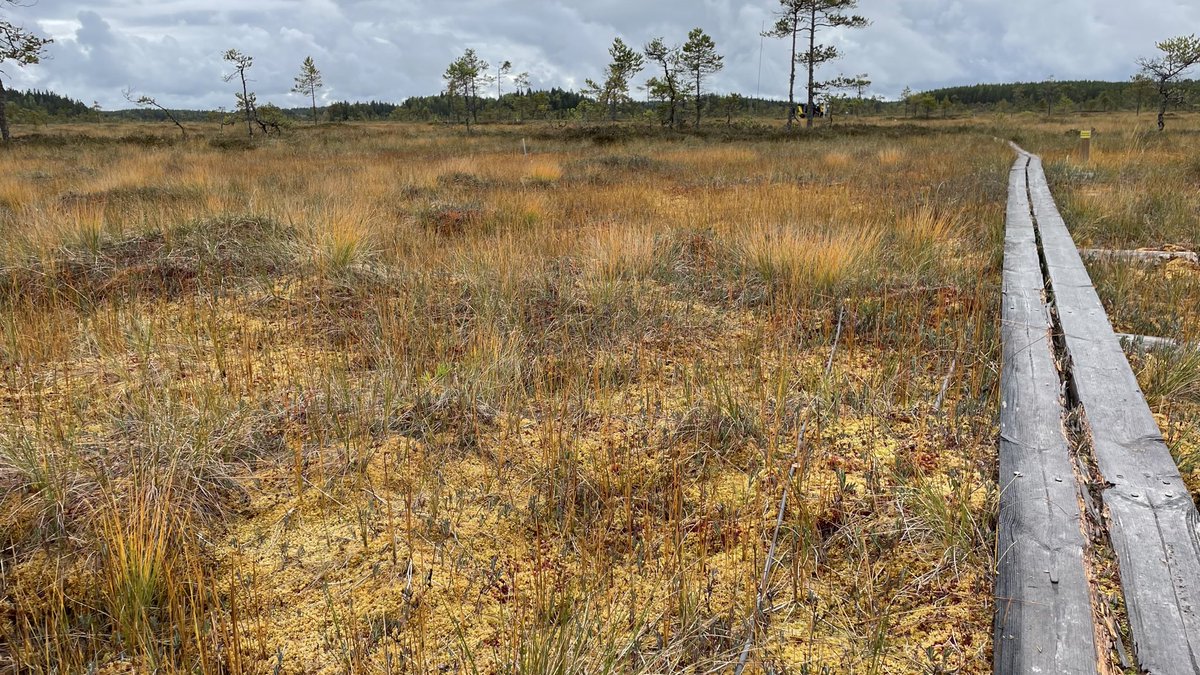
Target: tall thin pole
x=758 y=87
x=761 y=39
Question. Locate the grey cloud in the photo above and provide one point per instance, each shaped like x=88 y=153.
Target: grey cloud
x=391 y=49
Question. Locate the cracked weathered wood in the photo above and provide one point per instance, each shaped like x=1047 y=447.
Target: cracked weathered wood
x=1043 y=610
x=1153 y=524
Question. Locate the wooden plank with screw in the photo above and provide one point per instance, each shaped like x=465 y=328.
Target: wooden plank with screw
x=1043 y=610
x=1153 y=524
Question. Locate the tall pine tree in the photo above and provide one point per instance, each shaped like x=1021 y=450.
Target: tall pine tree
x=700 y=59
x=801 y=21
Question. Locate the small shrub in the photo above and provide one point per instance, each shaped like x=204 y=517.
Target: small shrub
x=462 y=179
x=451 y=219
x=231 y=143
x=627 y=162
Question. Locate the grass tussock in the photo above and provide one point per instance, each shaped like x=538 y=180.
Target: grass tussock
x=447 y=403
x=91 y=266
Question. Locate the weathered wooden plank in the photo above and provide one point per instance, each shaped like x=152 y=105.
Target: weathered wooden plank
x=1043 y=611
x=1153 y=524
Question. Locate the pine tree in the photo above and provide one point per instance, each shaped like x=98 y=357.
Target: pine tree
x=796 y=19
x=464 y=77
x=246 y=100
x=308 y=82
x=666 y=88
x=22 y=48
x=615 y=90
x=1179 y=54
x=700 y=58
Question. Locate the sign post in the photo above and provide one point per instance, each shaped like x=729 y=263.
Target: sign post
x=1085 y=138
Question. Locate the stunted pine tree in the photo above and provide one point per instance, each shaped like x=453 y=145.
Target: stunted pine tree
x=1179 y=55
x=22 y=48
x=1049 y=94
x=246 y=100
x=800 y=21
x=308 y=82
x=464 y=77
x=700 y=59
x=858 y=84
x=150 y=102
x=502 y=71
x=787 y=26
x=521 y=102
x=666 y=88
x=614 y=92
x=1139 y=87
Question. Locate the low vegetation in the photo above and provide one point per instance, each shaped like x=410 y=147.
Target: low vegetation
x=394 y=399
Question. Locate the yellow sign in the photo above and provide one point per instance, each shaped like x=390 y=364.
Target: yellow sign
x=1085 y=134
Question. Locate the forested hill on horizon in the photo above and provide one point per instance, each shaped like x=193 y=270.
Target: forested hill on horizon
x=1052 y=96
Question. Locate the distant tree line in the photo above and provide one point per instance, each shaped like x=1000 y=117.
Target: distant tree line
x=520 y=105
x=42 y=107
x=36 y=105
x=1051 y=96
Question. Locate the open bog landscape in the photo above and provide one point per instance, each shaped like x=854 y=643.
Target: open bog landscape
x=736 y=337
x=387 y=398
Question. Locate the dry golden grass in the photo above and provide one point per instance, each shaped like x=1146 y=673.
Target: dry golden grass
x=391 y=399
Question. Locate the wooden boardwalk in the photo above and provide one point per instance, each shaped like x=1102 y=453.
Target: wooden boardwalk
x=1062 y=359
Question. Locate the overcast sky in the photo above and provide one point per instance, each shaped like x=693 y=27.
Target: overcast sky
x=392 y=49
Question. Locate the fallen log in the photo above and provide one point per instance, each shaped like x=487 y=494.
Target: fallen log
x=1147 y=256
x=1154 y=342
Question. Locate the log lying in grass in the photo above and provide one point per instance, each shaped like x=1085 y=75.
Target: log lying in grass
x=1152 y=522
x=1151 y=342
x=1043 y=609
x=1139 y=256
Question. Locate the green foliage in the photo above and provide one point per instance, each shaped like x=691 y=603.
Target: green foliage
x=1179 y=55
x=345 y=111
x=700 y=59
x=667 y=87
x=36 y=106
x=246 y=100
x=308 y=82
x=801 y=21
x=1087 y=95
x=614 y=92
x=22 y=48
x=273 y=117
x=926 y=103
x=857 y=84
x=528 y=104
x=464 y=77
